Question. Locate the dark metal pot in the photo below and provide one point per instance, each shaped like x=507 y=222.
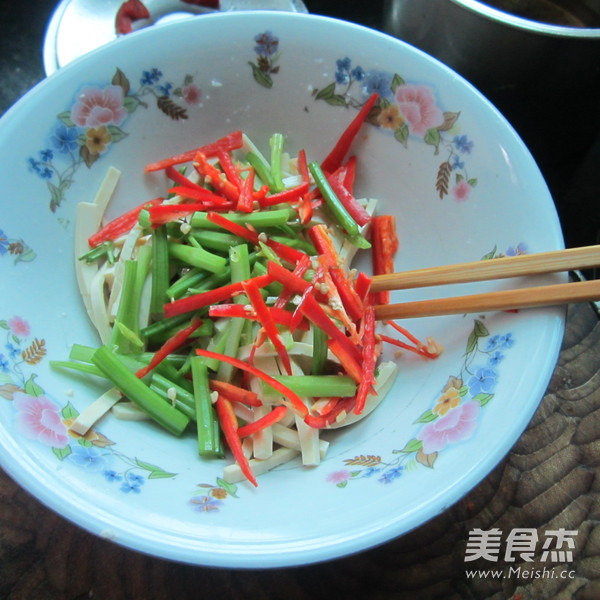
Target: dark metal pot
x=544 y=77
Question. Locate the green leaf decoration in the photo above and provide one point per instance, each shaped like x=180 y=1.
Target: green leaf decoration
x=88 y=158
x=427 y=417
x=326 y=92
x=62 y=453
x=337 y=100
x=472 y=182
x=65 y=118
x=401 y=134
x=69 y=411
x=155 y=471
x=56 y=196
x=26 y=256
x=480 y=329
x=116 y=133
x=4 y=324
x=342 y=484
x=450 y=119
x=483 y=399
x=260 y=76
x=120 y=79
x=433 y=138
x=463 y=391
x=130 y=103
x=413 y=445
x=32 y=388
x=490 y=254
x=396 y=81
x=230 y=488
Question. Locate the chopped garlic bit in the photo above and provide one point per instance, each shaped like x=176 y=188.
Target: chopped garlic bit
x=262 y=237
x=172 y=395
x=433 y=346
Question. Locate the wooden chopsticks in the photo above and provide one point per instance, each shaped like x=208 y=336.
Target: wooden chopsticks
x=498 y=268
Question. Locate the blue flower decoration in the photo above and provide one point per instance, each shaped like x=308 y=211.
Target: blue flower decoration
x=111 y=475
x=500 y=341
x=463 y=144
x=266 y=44
x=150 y=77
x=64 y=140
x=391 y=475
x=3 y=243
x=87 y=457
x=483 y=382
x=495 y=358
x=3 y=363
x=378 y=82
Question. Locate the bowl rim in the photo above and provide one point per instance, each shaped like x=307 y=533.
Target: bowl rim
x=503 y=18
x=346 y=546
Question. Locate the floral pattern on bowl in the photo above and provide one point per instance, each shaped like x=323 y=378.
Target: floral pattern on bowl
x=16 y=248
x=405 y=109
x=41 y=419
x=96 y=120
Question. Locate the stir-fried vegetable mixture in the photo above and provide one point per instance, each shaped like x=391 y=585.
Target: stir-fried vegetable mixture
x=229 y=306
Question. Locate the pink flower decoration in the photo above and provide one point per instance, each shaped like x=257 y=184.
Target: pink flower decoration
x=191 y=94
x=38 y=418
x=461 y=191
x=99 y=106
x=339 y=476
x=417 y=105
x=456 y=425
x=19 y=326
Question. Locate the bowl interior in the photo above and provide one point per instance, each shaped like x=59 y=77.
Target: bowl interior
x=440 y=157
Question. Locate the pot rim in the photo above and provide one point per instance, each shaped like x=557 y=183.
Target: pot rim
x=504 y=18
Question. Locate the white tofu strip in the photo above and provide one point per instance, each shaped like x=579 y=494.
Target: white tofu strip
x=95 y=411
x=233 y=473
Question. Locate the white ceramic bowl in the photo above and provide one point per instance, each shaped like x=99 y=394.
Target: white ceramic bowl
x=425 y=446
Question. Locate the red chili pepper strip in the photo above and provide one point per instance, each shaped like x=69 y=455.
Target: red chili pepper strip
x=305 y=207
x=416 y=341
x=200 y=194
x=349 y=170
x=229 y=426
x=344 y=405
x=355 y=209
x=369 y=359
x=267 y=420
x=296 y=401
x=121 y=225
x=323 y=243
x=384 y=244
x=290 y=195
x=171 y=345
x=286 y=294
x=362 y=285
x=232 y=227
x=313 y=311
x=130 y=11
x=165 y=213
x=239 y=311
x=348 y=362
x=291 y=282
x=335 y=158
x=212 y=176
x=176 y=177
x=245 y=202
x=235 y=393
x=202 y=299
x=285 y=252
x=229 y=168
x=231 y=141
x=267 y=322
x=350 y=299
x=420 y=350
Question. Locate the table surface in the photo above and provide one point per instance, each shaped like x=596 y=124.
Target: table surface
x=547 y=481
